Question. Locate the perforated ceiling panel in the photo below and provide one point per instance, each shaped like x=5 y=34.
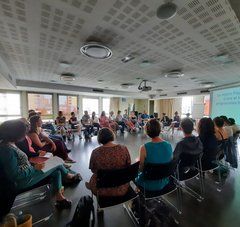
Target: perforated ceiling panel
x=36 y=35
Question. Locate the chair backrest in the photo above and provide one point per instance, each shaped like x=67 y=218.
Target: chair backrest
x=188 y=160
x=152 y=171
x=115 y=177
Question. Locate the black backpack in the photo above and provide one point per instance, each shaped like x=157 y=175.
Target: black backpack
x=84 y=214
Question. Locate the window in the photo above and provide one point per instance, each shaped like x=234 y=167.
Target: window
x=41 y=103
x=90 y=105
x=187 y=103
x=67 y=104
x=106 y=105
x=206 y=105
x=10 y=107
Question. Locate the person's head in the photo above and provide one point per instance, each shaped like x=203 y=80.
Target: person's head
x=231 y=121
x=103 y=114
x=219 y=122
x=187 y=126
x=132 y=112
x=72 y=114
x=35 y=122
x=155 y=115
x=111 y=113
x=188 y=115
x=153 y=128
x=60 y=113
x=30 y=111
x=206 y=127
x=12 y=131
x=125 y=111
x=144 y=112
x=32 y=114
x=85 y=112
x=105 y=135
x=119 y=112
x=176 y=113
x=164 y=114
x=24 y=120
x=93 y=114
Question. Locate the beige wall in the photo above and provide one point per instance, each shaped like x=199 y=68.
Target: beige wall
x=141 y=105
x=114 y=105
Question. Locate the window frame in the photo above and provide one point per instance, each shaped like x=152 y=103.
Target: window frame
x=66 y=95
x=44 y=117
x=91 y=97
x=13 y=92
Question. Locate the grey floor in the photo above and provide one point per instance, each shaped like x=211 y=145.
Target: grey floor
x=218 y=209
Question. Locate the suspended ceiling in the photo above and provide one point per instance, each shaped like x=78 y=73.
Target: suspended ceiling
x=36 y=35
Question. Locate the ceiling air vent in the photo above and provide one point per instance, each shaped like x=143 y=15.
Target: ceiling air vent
x=204 y=91
x=174 y=74
x=181 y=93
x=68 y=77
x=98 y=90
x=96 y=50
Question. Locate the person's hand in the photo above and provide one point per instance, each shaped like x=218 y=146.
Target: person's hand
x=53 y=148
x=42 y=153
x=39 y=166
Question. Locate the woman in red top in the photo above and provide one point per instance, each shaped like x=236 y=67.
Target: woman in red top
x=108 y=156
x=104 y=120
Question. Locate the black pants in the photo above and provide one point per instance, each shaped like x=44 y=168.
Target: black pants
x=122 y=124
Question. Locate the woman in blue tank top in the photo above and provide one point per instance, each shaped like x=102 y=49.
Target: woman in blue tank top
x=157 y=151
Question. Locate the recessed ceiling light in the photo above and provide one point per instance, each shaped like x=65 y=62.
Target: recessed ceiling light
x=105 y=87
x=145 y=63
x=67 y=77
x=64 y=64
x=175 y=86
x=100 y=81
x=193 y=78
x=96 y=50
x=159 y=90
x=167 y=11
x=127 y=85
x=127 y=58
x=174 y=74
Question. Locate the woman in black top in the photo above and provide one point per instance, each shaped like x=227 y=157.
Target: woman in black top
x=207 y=136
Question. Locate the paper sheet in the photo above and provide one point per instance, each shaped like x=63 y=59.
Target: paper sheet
x=51 y=163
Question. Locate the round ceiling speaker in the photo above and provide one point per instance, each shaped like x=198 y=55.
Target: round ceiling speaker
x=96 y=50
x=174 y=74
x=167 y=11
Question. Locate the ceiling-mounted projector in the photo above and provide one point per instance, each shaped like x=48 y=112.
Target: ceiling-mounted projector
x=143 y=86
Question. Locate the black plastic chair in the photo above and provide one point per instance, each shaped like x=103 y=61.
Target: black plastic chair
x=188 y=168
x=115 y=178
x=158 y=172
x=27 y=200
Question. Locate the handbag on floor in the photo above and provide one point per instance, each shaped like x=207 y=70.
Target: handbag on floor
x=84 y=214
x=23 y=221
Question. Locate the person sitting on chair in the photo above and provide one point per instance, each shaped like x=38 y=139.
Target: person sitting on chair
x=157 y=151
x=190 y=144
x=75 y=125
x=87 y=124
x=95 y=121
x=61 y=125
x=120 y=121
x=176 y=122
x=108 y=156
x=206 y=132
x=165 y=120
x=15 y=167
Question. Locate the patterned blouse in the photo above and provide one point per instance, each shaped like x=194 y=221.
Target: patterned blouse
x=109 y=158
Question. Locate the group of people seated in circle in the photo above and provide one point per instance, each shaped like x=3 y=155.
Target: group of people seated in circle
x=24 y=139
x=212 y=135
x=90 y=124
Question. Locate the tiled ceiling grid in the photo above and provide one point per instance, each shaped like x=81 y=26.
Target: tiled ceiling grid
x=36 y=35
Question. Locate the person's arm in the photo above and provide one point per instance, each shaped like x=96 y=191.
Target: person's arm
x=35 y=139
x=48 y=141
x=177 y=151
x=24 y=146
x=92 y=162
x=142 y=157
x=11 y=168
